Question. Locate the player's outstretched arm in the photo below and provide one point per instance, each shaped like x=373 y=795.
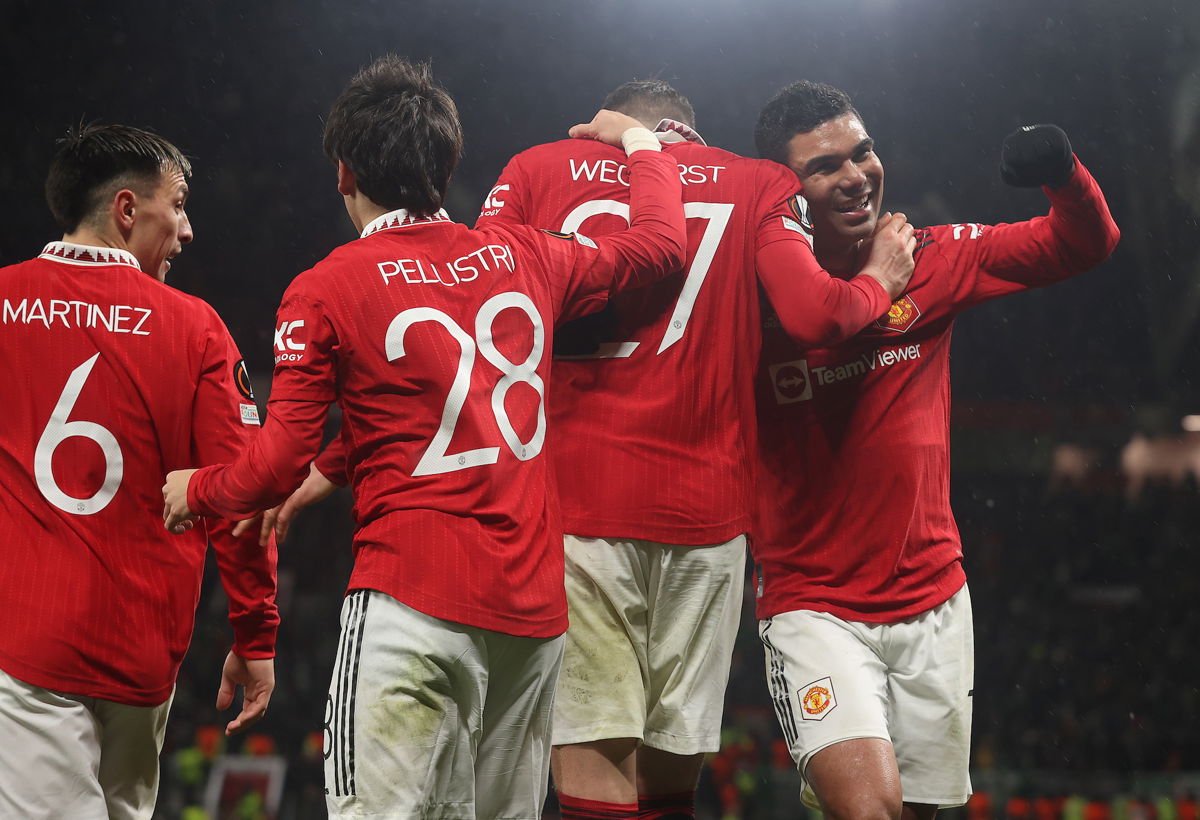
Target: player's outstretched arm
x=257 y=679
x=817 y=309
x=654 y=245
x=1078 y=233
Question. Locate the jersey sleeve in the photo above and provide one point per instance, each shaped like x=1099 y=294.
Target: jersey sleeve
x=654 y=245
x=814 y=308
x=1077 y=234
x=224 y=420
x=331 y=462
x=277 y=460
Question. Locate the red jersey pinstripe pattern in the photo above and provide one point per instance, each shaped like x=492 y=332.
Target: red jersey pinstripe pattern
x=854 y=516
x=113 y=379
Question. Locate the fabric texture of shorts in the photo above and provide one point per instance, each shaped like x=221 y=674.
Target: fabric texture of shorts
x=68 y=756
x=910 y=683
x=430 y=718
x=650 y=642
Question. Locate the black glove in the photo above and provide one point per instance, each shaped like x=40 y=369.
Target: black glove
x=1036 y=155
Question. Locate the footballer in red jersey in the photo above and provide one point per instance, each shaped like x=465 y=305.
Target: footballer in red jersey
x=654 y=441
x=863 y=607
x=434 y=340
x=122 y=380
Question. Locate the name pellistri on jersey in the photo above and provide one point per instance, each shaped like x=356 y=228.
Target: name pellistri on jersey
x=75 y=314
x=463 y=269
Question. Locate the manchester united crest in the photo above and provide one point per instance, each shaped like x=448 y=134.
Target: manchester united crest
x=817 y=699
x=902 y=315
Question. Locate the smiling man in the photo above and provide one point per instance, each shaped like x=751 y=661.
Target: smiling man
x=863 y=606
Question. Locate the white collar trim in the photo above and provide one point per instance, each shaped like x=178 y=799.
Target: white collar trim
x=399 y=218
x=669 y=130
x=88 y=255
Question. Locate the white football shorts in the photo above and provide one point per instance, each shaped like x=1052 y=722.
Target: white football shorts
x=651 y=638
x=430 y=718
x=69 y=756
x=910 y=683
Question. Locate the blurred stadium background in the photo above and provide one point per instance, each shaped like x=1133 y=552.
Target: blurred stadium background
x=1076 y=465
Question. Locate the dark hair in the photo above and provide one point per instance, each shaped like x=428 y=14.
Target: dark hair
x=798 y=109
x=398 y=131
x=95 y=161
x=650 y=101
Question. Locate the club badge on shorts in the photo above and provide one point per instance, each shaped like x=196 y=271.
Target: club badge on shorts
x=817 y=699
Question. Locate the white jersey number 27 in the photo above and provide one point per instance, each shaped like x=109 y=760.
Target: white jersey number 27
x=716 y=216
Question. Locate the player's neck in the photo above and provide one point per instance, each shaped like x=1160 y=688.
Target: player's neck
x=841 y=261
x=96 y=237
x=362 y=210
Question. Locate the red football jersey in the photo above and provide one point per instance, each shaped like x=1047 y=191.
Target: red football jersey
x=114 y=380
x=654 y=434
x=433 y=338
x=854 y=516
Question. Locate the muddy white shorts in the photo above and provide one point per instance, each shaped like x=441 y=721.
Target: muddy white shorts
x=430 y=718
x=909 y=683
x=69 y=756
x=651 y=637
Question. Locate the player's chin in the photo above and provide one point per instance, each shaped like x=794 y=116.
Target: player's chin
x=856 y=230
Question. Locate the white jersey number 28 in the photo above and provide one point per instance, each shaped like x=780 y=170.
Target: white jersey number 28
x=58 y=430
x=716 y=216
x=436 y=459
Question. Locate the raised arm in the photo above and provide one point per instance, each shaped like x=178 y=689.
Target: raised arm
x=1078 y=233
x=655 y=243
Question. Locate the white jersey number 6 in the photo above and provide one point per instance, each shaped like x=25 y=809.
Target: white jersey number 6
x=58 y=430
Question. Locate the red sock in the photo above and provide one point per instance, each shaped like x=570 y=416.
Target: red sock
x=667 y=807
x=576 y=808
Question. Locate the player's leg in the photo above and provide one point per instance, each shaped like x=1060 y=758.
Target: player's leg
x=604 y=770
x=404 y=713
x=829 y=687
x=667 y=783
x=131 y=740
x=513 y=761
x=932 y=670
x=695 y=604
x=50 y=754
x=856 y=780
x=600 y=703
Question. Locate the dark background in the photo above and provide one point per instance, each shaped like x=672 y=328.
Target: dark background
x=242 y=87
x=1084 y=599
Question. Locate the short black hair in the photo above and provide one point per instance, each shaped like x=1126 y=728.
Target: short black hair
x=399 y=132
x=650 y=101
x=95 y=161
x=798 y=109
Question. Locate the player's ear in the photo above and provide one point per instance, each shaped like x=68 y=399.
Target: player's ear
x=347 y=184
x=124 y=208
